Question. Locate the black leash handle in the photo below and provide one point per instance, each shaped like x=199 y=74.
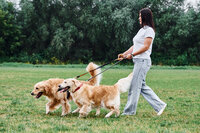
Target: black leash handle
x=93 y=69
x=106 y=69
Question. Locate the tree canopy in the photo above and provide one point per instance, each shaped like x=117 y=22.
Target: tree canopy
x=80 y=31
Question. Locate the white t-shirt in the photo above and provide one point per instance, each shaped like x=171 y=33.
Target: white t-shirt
x=138 y=41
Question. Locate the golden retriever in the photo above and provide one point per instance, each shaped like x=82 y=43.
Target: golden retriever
x=49 y=89
x=87 y=97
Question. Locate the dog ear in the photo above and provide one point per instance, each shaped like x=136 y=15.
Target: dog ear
x=75 y=82
x=47 y=86
x=68 y=94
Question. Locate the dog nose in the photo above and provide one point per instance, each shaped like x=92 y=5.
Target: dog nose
x=59 y=86
x=32 y=93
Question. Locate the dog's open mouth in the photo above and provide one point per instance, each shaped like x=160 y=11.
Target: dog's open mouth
x=63 y=89
x=39 y=95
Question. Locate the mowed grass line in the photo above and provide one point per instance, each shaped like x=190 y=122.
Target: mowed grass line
x=20 y=112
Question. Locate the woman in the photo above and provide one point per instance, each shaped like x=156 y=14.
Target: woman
x=140 y=53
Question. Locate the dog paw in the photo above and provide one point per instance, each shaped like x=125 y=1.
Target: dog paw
x=75 y=111
x=107 y=116
x=97 y=113
x=63 y=114
x=47 y=112
x=82 y=115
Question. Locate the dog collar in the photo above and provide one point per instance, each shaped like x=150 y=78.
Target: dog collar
x=78 y=88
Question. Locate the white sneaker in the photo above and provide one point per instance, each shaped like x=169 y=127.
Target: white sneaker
x=161 y=111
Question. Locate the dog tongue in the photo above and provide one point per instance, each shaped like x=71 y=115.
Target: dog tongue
x=39 y=94
x=62 y=90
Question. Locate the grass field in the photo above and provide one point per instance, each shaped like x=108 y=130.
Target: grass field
x=20 y=112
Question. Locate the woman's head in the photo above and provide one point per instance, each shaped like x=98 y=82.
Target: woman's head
x=146 y=17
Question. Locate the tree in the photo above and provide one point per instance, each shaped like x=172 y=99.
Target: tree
x=80 y=31
x=10 y=32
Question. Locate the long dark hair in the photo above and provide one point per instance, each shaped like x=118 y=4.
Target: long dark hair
x=147 y=17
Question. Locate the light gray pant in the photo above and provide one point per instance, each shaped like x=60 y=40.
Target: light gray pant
x=138 y=86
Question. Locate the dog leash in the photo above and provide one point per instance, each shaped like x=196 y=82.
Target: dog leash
x=68 y=93
x=107 y=68
x=94 y=69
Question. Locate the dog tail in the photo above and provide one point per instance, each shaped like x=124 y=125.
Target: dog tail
x=124 y=83
x=96 y=80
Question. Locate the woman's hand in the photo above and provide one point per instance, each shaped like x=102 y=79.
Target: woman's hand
x=125 y=54
x=120 y=57
x=129 y=56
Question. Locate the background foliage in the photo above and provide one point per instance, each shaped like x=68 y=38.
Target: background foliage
x=80 y=31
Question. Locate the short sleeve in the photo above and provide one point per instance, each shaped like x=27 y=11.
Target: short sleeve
x=149 y=33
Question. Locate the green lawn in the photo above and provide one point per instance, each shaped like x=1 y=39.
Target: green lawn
x=20 y=112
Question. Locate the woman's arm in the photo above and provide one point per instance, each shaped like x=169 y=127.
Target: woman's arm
x=128 y=54
x=147 y=43
x=129 y=51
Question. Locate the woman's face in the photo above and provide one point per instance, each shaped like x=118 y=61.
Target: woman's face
x=140 y=18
